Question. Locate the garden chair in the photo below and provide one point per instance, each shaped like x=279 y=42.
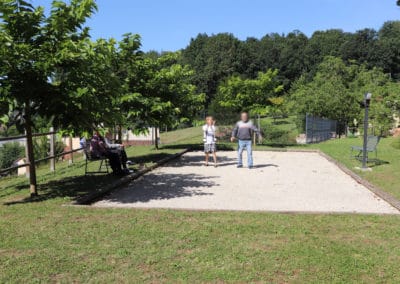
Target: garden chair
x=372 y=144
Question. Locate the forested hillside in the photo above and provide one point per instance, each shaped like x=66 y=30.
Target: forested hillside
x=331 y=68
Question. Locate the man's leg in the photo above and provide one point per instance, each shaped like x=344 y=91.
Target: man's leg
x=115 y=162
x=249 y=154
x=124 y=158
x=240 y=153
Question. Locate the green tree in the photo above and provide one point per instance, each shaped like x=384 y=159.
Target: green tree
x=164 y=95
x=386 y=54
x=33 y=48
x=213 y=58
x=241 y=94
x=337 y=89
x=359 y=47
x=322 y=44
x=327 y=95
x=385 y=97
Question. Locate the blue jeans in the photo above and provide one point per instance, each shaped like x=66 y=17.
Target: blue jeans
x=245 y=144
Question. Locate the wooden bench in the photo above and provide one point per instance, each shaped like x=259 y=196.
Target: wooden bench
x=103 y=167
x=372 y=146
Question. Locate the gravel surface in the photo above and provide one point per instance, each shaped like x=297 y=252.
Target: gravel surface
x=280 y=181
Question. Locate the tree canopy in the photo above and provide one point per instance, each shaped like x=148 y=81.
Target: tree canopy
x=51 y=69
x=250 y=94
x=217 y=57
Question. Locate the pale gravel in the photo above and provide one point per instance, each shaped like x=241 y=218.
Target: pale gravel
x=280 y=182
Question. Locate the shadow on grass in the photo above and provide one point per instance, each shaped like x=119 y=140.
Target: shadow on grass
x=71 y=188
x=162 y=187
x=81 y=185
x=373 y=162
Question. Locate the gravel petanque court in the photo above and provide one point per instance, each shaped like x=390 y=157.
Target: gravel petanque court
x=280 y=182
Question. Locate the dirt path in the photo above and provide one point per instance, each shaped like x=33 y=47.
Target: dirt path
x=280 y=181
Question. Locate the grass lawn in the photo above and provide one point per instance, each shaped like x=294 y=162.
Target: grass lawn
x=44 y=241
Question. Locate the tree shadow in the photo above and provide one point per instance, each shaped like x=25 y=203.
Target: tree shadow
x=71 y=188
x=162 y=186
x=149 y=158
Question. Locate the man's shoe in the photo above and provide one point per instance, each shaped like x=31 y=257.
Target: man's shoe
x=251 y=167
x=129 y=163
x=127 y=171
x=239 y=166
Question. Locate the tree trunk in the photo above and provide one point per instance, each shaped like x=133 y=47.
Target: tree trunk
x=120 y=134
x=156 y=137
x=29 y=147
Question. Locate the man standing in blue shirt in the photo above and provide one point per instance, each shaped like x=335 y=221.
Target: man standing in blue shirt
x=243 y=132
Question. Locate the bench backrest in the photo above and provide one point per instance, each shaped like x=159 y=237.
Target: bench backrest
x=372 y=142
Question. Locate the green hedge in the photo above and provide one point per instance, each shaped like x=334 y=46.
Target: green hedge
x=9 y=153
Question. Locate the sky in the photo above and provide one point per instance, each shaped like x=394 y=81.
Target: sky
x=168 y=25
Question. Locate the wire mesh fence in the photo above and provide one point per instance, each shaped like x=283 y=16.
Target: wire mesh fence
x=319 y=129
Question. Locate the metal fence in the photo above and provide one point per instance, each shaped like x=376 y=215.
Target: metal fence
x=52 y=156
x=319 y=129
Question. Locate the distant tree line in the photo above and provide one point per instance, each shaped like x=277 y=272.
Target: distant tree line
x=216 y=57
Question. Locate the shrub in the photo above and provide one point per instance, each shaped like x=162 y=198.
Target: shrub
x=9 y=153
x=41 y=147
x=274 y=135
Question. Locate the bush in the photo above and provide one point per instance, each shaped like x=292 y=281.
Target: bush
x=41 y=147
x=9 y=153
x=274 y=135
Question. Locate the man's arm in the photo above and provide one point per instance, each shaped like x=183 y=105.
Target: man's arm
x=234 y=132
x=256 y=130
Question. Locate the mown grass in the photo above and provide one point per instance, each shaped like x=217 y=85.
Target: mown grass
x=385 y=171
x=44 y=241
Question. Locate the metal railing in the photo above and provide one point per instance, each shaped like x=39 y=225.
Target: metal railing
x=52 y=155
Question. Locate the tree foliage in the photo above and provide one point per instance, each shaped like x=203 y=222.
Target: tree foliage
x=163 y=96
x=249 y=94
x=215 y=58
x=337 y=89
x=33 y=49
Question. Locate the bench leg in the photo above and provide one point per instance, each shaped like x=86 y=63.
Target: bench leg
x=107 y=166
x=86 y=166
x=101 y=165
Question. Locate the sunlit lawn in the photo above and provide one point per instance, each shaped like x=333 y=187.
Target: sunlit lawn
x=44 y=241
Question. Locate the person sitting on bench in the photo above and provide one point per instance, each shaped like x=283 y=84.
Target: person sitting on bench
x=118 y=148
x=99 y=149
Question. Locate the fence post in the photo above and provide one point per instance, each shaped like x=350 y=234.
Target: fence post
x=259 y=128
x=52 y=150
x=307 y=128
x=26 y=156
x=71 y=159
